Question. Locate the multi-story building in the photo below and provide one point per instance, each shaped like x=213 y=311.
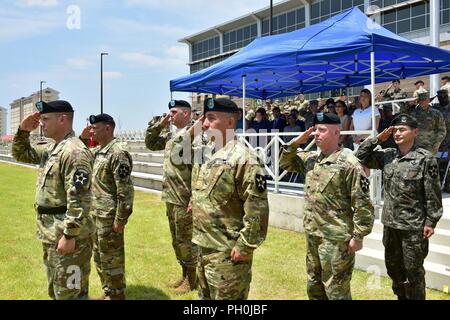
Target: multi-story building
x=22 y=107
x=3 y=114
x=410 y=19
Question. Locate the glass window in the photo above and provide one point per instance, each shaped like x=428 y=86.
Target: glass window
x=275 y=23
x=403 y=26
x=301 y=15
x=291 y=19
x=265 y=26
x=335 y=6
x=239 y=35
x=391 y=27
x=389 y=2
x=358 y=2
x=389 y=17
x=347 y=4
x=282 y=21
x=418 y=22
x=325 y=7
x=233 y=37
x=315 y=10
x=403 y=13
x=254 y=30
x=418 y=9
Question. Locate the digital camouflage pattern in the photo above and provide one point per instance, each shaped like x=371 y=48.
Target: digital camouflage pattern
x=405 y=252
x=337 y=208
x=337 y=203
x=176 y=187
x=230 y=210
x=445 y=110
x=412 y=200
x=431 y=128
x=113 y=195
x=412 y=194
x=329 y=267
x=65 y=173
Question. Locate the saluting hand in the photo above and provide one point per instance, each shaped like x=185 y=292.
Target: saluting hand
x=303 y=138
x=165 y=121
x=197 y=127
x=86 y=134
x=31 y=122
x=385 y=134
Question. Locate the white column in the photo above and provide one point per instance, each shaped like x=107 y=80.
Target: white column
x=434 y=40
x=220 y=33
x=307 y=14
x=258 y=25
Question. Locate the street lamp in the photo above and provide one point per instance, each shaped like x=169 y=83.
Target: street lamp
x=40 y=90
x=101 y=80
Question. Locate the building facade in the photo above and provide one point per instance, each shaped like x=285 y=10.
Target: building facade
x=3 y=115
x=410 y=19
x=23 y=107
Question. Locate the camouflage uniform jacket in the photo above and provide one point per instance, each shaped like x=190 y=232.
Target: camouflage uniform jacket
x=412 y=194
x=431 y=128
x=65 y=172
x=337 y=203
x=395 y=95
x=177 y=170
x=445 y=110
x=112 y=188
x=229 y=200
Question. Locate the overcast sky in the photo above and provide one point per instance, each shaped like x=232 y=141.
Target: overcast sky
x=45 y=40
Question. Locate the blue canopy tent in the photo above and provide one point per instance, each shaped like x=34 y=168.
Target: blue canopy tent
x=346 y=50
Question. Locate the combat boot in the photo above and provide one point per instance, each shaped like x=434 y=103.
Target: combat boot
x=120 y=296
x=189 y=283
x=177 y=283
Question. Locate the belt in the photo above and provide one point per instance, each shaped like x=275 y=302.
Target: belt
x=53 y=210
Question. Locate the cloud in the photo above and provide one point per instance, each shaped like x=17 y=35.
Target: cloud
x=170 y=56
x=112 y=75
x=37 y=3
x=79 y=63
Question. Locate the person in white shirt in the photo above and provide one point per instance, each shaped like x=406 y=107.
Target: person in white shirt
x=362 y=117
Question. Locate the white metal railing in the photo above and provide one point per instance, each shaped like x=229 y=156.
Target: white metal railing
x=269 y=153
x=130 y=135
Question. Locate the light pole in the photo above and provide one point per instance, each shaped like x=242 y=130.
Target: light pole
x=40 y=90
x=41 y=139
x=101 y=80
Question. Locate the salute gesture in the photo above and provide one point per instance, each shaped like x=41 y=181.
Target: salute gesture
x=31 y=122
x=303 y=138
x=385 y=134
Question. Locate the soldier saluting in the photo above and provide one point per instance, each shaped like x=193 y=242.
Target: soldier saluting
x=412 y=203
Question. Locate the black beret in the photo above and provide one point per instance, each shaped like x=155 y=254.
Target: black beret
x=442 y=92
x=179 y=103
x=326 y=118
x=446 y=78
x=404 y=119
x=418 y=81
x=54 y=106
x=220 y=104
x=103 y=117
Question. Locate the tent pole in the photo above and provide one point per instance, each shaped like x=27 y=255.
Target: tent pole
x=372 y=89
x=243 y=104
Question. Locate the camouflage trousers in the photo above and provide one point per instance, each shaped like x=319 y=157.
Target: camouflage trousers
x=220 y=278
x=329 y=267
x=109 y=256
x=405 y=252
x=68 y=275
x=180 y=223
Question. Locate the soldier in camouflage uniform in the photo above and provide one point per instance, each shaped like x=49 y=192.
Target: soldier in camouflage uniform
x=444 y=107
x=431 y=124
x=63 y=198
x=230 y=208
x=112 y=204
x=337 y=213
x=177 y=187
x=412 y=203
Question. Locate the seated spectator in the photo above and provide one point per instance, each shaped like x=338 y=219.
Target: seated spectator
x=313 y=109
x=330 y=104
x=260 y=125
x=240 y=124
x=298 y=122
x=292 y=127
x=362 y=117
x=341 y=110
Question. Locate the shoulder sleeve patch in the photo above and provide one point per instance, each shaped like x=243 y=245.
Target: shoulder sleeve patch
x=433 y=171
x=260 y=183
x=81 y=178
x=124 y=170
x=364 y=182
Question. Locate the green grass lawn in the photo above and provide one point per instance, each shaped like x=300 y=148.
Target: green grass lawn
x=278 y=269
